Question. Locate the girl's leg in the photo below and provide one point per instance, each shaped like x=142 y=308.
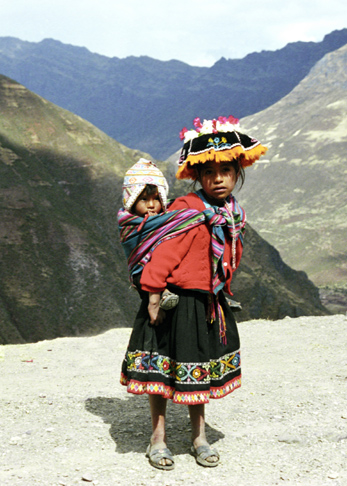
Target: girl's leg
x=158 y=410
x=197 y=420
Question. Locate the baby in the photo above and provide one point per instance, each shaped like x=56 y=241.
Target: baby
x=145 y=191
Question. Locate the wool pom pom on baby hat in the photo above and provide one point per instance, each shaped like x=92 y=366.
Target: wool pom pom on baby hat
x=137 y=177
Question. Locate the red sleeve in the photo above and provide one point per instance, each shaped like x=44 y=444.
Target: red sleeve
x=165 y=258
x=169 y=254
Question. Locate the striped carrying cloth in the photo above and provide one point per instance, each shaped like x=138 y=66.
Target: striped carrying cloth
x=140 y=236
x=233 y=217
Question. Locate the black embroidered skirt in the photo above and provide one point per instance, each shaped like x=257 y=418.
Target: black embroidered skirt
x=183 y=358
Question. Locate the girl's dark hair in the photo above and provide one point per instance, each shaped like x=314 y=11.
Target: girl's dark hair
x=240 y=172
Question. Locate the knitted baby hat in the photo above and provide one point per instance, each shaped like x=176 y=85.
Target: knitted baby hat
x=142 y=173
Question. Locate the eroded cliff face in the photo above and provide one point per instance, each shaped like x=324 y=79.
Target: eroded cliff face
x=297 y=197
x=270 y=288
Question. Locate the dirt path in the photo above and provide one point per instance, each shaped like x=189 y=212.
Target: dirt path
x=65 y=420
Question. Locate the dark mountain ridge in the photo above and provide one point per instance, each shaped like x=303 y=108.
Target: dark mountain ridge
x=143 y=102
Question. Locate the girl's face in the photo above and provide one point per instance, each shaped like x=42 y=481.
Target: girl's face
x=147 y=204
x=217 y=180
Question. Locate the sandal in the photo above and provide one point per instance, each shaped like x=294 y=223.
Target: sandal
x=202 y=453
x=168 y=300
x=156 y=455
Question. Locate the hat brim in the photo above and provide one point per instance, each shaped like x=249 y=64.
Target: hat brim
x=201 y=150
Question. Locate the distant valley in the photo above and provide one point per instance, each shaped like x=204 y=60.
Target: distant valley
x=63 y=272
x=143 y=103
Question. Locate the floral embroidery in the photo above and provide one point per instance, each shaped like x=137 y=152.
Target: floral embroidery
x=184 y=373
x=218 y=143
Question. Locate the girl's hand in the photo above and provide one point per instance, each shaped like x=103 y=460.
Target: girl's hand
x=156 y=315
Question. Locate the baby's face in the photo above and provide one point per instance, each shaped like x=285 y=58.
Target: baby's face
x=147 y=204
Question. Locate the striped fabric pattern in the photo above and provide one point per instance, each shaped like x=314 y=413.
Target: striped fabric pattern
x=233 y=221
x=140 y=236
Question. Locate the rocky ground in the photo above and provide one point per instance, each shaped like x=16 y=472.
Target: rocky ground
x=65 y=420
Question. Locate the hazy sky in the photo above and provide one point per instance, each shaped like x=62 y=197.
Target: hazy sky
x=198 y=32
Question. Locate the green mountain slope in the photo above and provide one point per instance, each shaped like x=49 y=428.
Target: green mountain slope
x=62 y=268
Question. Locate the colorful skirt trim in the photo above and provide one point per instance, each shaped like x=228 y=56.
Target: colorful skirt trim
x=183 y=398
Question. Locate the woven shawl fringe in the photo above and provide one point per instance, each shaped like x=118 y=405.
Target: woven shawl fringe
x=214 y=310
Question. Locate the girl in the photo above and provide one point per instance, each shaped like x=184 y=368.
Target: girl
x=192 y=353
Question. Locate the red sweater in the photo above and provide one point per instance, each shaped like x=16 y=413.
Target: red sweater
x=185 y=260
